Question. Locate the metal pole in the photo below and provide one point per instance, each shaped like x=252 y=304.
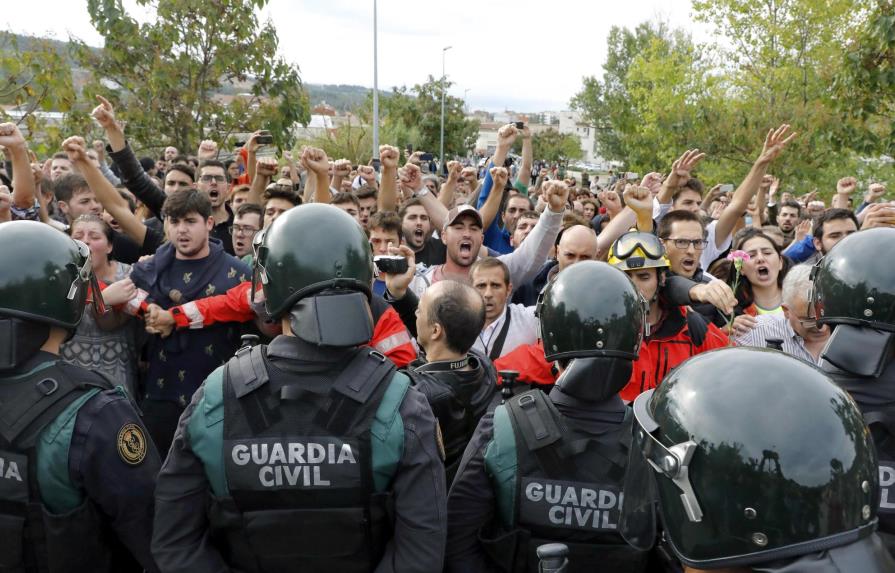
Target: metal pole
x=441 y=149
x=375 y=88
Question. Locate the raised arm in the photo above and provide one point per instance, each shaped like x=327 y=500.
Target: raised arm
x=506 y=136
x=23 y=187
x=265 y=168
x=640 y=200
x=317 y=164
x=680 y=174
x=412 y=179
x=388 y=185
x=446 y=195
x=132 y=174
x=76 y=149
x=491 y=207
x=774 y=142
x=341 y=170
x=525 y=170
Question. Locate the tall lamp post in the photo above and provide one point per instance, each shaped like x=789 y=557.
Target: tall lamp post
x=375 y=87
x=441 y=150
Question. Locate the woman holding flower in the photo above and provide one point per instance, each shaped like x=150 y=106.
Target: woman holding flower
x=756 y=276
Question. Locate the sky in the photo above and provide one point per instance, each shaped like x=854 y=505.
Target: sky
x=521 y=55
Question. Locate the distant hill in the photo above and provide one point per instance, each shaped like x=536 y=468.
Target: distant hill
x=342 y=97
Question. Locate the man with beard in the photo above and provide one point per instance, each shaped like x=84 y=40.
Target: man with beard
x=789 y=216
x=192 y=265
x=830 y=228
x=417 y=230
x=463 y=236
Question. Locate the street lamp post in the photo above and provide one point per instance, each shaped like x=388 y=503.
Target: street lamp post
x=441 y=149
x=375 y=87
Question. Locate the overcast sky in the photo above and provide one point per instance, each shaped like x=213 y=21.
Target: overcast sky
x=524 y=55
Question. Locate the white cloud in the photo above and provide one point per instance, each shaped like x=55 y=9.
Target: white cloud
x=527 y=55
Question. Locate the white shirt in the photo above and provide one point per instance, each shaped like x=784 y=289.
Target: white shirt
x=712 y=251
x=523 y=329
x=776 y=326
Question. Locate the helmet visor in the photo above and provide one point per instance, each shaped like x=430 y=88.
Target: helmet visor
x=627 y=245
x=85 y=279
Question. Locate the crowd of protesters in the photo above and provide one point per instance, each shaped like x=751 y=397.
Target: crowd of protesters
x=172 y=243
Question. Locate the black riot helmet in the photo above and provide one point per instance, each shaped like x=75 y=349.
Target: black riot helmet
x=591 y=320
x=749 y=469
x=853 y=291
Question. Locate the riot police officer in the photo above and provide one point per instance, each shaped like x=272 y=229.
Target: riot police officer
x=550 y=468
x=854 y=292
x=312 y=452
x=760 y=462
x=77 y=469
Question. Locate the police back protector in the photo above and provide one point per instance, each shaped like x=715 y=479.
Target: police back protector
x=568 y=488
x=299 y=468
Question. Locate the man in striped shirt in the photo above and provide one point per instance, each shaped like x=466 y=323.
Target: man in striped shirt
x=793 y=332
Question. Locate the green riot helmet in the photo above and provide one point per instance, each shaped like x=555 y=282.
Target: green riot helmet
x=853 y=290
x=755 y=456
x=44 y=280
x=315 y=264
x=591 y=320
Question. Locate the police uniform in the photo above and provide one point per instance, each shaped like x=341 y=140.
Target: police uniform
x=223 y=474
x=77 y=468
x=514 y=491
x=546 y=469
x=855 y=294
x=459 y=393
x=312 y=452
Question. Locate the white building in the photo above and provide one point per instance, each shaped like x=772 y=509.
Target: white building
x=570 y=121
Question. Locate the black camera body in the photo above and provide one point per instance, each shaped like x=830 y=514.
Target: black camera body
x=391 y=264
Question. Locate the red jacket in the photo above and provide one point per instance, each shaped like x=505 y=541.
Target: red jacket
x=670 y=345
x=390 y=337
x=683 y=333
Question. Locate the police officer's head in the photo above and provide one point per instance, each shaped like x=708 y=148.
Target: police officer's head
x=315 y=267
x=854 y=293
x=757 y=457
x=591 y=320
x=44 y=279
x=449 y=318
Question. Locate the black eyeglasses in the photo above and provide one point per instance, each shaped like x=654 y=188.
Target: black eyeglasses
x=682 y=244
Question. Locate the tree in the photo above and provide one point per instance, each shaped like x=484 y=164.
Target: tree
x=555 y=147
x=864 y=89
x=165 y=72
x=413 y=117
x=36 y=76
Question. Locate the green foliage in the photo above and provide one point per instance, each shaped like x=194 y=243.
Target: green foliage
x=413 y=117
x=163 y=73
x=773 y=62
x=553 y=146
x=36 y=77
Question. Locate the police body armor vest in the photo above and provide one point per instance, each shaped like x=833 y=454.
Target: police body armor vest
x=299 y=468
x=881 y=422
x=568 y=489
x=31 y=538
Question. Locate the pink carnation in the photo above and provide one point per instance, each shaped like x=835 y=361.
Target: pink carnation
x=738 y=255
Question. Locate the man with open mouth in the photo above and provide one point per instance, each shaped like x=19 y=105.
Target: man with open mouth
x=213 y=182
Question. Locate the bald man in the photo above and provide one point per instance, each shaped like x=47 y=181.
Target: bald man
x=458 y=383
x=576 y=243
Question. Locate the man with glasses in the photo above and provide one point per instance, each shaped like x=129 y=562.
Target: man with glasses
x=245 y=225
x=213 y=183
x=795 y=332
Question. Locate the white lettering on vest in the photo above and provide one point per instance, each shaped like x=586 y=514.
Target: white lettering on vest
x=887 y=492
x=9 y=470
x=569 y=504
x=240 y=454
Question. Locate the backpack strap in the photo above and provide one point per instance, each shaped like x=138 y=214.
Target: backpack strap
x=535 y=418
x=34 y=400
x=250 y=369
x=353 y=388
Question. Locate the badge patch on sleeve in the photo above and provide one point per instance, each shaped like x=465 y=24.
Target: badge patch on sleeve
x=131 y=444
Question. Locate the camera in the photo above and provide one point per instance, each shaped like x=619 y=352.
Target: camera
x=520 y=124
x=390 y=264
x=264 y=139
x=726 y=188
